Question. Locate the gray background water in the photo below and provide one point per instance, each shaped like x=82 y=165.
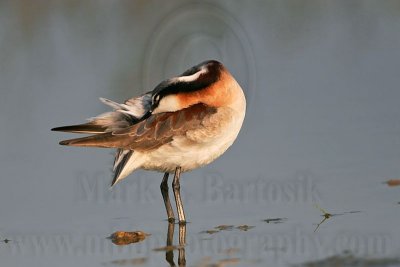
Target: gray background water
x=322 y=128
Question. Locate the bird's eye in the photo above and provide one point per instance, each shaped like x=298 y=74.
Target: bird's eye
x=155 y=103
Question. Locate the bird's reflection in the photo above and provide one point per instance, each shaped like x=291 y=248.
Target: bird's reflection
x=122 y=238
x=169 y=254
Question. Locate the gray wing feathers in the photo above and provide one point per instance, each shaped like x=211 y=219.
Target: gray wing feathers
x=124 y=115
x=136 y=107
x=132 y=111
x=121 y=159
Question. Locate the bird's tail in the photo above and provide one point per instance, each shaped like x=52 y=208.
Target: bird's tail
x=101 y=127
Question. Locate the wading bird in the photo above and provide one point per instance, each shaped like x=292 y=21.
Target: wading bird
x=186 y=122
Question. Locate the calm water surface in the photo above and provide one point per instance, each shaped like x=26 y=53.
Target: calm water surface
x=302 y=186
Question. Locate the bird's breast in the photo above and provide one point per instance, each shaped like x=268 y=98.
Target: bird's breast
x=200 y=146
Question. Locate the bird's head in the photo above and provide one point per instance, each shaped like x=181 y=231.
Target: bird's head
x=207 y=83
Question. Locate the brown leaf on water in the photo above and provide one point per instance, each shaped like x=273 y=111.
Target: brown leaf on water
x=224 y=227
x=210 y=232
x=245 y=227
x=121 y=238
x=393 y=182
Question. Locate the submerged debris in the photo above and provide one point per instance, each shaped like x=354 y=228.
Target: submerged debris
x=275 y=220
x=125 y=238
x=224 y=227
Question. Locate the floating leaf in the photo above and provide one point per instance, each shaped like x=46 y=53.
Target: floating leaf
x=210 y=232
x=393 y=182
x=224 y=227
x=244 y=227
x=125 y=238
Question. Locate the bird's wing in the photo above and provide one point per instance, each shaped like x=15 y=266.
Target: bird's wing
x=137 y=107
x=151 y=133
x=124 y=115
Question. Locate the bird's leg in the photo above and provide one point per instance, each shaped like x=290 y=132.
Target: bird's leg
x=165 y=194
x=176 y=187
x=182 y=243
